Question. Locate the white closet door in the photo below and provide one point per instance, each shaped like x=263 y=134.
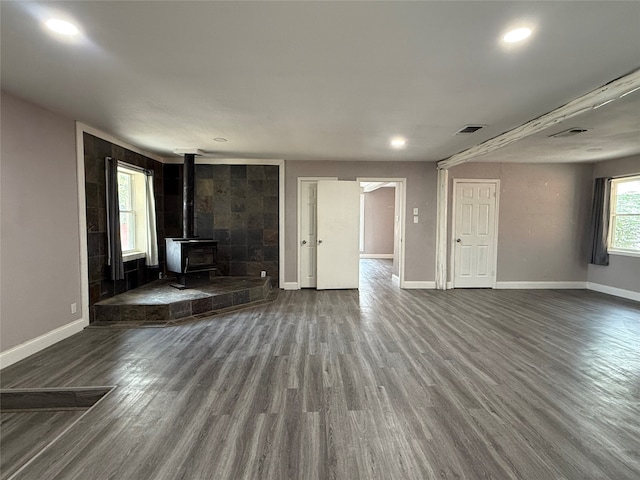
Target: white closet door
x=475 y=236
x=338 y=231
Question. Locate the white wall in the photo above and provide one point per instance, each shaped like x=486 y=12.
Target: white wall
x=623 y=272
x=40 y=242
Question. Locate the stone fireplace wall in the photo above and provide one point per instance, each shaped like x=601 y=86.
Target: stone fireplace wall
x=136 y=274
x=237 y=205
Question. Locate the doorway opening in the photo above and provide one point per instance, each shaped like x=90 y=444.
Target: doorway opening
x=377 y=227
x=382 y=229
x=380 y=232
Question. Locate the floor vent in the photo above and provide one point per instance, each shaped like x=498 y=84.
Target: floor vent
x=50 y=399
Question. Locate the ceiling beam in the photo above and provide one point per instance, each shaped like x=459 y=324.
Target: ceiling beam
x=594 y=99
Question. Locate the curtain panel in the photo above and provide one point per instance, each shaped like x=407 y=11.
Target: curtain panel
x=152 y=232
x=600 y=221
x=114 y=246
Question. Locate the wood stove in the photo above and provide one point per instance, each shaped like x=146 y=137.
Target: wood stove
x=192 y=259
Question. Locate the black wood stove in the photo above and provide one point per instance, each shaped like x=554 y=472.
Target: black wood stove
x=192 y=259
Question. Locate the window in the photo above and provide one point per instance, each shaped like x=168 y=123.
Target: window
x=127 y=214
x=624 y=224
x=133 y=211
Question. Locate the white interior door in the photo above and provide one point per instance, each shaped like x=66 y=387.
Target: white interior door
x=338 y=229
x=474 y=235
x=308 y=233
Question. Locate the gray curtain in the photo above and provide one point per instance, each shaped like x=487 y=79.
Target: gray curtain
x=600 y=222
x=114 y=251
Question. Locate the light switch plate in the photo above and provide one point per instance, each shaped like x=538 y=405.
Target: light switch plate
x=415 y=211
x=415 y=219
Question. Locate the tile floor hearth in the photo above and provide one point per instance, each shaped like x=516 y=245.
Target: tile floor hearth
x=158 y=302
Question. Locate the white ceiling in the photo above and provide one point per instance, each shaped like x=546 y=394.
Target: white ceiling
x=329 y=80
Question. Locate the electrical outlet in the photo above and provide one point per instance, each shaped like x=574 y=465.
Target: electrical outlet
x=263 y=273
x=74 y=308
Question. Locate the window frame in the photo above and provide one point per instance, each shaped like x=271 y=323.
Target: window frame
x=127 y=211
x=138 y=211
x=613 y=214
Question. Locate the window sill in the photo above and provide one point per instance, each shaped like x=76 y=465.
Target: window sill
x=128 y=257
x=624 y=254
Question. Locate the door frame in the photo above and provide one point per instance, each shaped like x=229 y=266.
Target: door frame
x=299 y=221
x=402 y=184
x=452 y=236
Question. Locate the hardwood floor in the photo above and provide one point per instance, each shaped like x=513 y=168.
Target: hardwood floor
x=377 y=384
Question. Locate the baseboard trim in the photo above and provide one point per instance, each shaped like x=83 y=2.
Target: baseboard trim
x=376 y=255
x=424 y=285
x=395 y=280
x=449 y=285
x=541 y=285
x=28 y=348
x=618 y=292
x=291 y=286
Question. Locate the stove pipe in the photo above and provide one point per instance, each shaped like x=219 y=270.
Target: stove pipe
x=188 y=194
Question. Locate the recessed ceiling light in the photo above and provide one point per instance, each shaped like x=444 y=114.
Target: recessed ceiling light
x=517 y=35
x=398 y=142
x=219 y=139
x=62 y=27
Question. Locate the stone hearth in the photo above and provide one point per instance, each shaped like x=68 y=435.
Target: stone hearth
x=158 y=302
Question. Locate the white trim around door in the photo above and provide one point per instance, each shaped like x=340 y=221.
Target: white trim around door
x=401 y=183
x=441 y=229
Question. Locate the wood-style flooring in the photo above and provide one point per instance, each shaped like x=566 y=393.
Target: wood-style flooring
x=380 y=383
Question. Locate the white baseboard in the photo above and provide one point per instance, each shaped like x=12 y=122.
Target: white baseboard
x=291 y=286
x=410 y=285
x=618 y=292
x=376 y=255
x=449 y=285
x=541 y=285
x=34 y=345
x=395 y=280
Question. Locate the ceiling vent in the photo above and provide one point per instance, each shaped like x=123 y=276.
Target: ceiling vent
x=568 y=133
x=469 y=129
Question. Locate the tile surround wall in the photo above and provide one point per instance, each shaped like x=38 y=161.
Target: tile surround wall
x=136 y=273
x=172 y=200
x=237 y=205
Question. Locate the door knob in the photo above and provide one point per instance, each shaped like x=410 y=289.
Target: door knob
x=458 y=240
x=319 y=242
x=304 y=242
